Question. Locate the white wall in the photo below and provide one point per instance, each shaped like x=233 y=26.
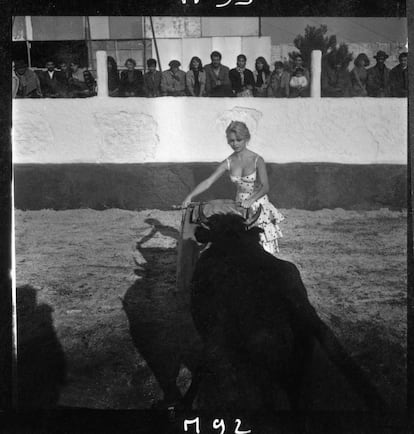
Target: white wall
x=140 y=130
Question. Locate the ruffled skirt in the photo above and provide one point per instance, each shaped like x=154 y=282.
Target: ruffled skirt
x=268 y=221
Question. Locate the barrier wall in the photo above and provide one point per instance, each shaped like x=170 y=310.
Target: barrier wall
x=141 y=130
x=148 y=153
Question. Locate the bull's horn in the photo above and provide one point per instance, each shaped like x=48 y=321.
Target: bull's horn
x=252 y=220
x=202 y=217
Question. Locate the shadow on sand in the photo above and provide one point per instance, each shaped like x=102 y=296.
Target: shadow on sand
x=41 y=361
x=159 y=316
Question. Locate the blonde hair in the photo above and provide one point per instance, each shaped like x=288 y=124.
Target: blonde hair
x=239 y=129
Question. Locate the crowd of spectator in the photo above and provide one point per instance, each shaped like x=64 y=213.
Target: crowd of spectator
x=377 y=81
x=217 y=80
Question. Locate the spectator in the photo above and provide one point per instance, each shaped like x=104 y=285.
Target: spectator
x=113 y=77
x=52 y=82
x=261 y=76
x=336 y=81
x=81 y=81
x=359 y=75
x=378 y=77
x=173 y=80
x=15 y=82
x=152 y=80
x=298 y=63
x=29 y=84
x=278 y=82
x=217 y=77
x=241 y=78
x=399 y=77
x=132 y=80
x=298 y=83
x=196 y=78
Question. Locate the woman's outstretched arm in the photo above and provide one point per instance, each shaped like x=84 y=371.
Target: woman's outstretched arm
x=264 y=188
x=206 y=184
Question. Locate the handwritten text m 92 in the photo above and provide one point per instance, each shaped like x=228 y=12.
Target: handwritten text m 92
x=225 y=3
x=218 y=424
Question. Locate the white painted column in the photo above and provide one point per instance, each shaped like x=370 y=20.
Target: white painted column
x=102 y=73
x=316 y=72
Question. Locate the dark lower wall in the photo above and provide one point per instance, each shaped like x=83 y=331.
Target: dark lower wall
x=309 y=186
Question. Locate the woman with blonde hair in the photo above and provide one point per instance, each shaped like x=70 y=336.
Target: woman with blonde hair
x=247 y=170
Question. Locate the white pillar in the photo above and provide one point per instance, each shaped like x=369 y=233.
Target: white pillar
x=102 y=73
x=316 y=72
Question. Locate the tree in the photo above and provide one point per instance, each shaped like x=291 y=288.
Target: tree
x=314 y=39
x=339 y=56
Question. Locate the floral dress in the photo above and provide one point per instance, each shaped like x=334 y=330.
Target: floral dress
x=269 y=217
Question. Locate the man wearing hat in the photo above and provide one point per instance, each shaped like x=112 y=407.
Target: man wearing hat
x=399 y=77
x=29 y=85
x=378 y=77
x=173 y=80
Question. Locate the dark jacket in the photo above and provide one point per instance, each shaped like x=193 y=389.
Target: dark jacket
x=135 y=86
x=378 y=82
x=152 y=84
x=212 y=80
x=236 y=81
x=399 y=81
x=54 y=86
x=278 y=86
x=335 y=82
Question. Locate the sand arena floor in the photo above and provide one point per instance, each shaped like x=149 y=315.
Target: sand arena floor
x=83 y=263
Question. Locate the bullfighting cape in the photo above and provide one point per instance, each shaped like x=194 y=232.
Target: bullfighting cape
x=188 y=247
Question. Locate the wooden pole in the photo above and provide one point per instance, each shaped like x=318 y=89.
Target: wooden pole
x=155 y=43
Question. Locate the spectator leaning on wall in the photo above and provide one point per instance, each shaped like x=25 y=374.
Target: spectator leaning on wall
x=261 y=76
x=378 y=77
x=217 y=77
x=196 y=78
x=241 y=78
x=152 y=80
x=359 y=75
x=15 y=82
x=132 y=80
x=298 y=84
x=113 y=77
x=298 y=63
x=81 y=81
x=335 y=80
x=399 y=77
x=52 y=82
x=29 y=84
x=173 y=80
x=279 y=82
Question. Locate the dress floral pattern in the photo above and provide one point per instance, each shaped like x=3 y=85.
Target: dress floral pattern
x=270 y=216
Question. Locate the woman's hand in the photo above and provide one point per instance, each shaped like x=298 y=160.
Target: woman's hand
x=246 y=203
x=186 y=202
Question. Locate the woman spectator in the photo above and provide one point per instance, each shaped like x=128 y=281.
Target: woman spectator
x=298 y=83
x=261 y=76
x=278 y=82
x=152 y=80
x=132 y=80
x=113 y=77
x=81 y=81
x=359 y=75
x=241 y=78
x=196 y=78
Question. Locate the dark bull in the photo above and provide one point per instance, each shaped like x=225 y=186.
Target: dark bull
x=258 y=327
